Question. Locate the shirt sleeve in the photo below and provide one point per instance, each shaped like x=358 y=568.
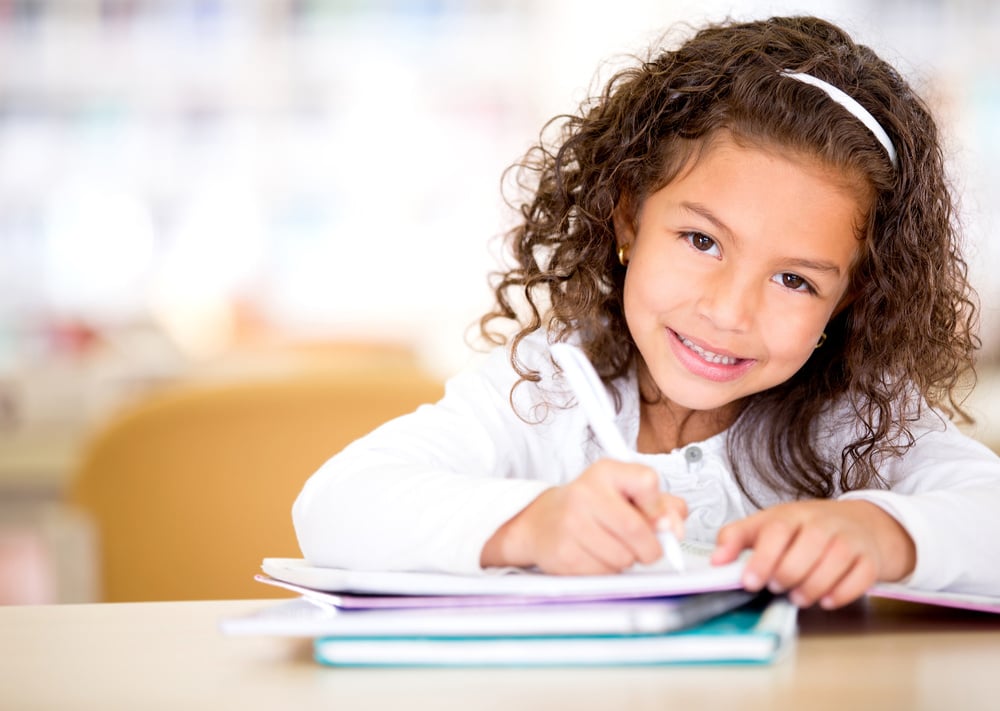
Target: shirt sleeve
x=426 y=491
x=945 y=491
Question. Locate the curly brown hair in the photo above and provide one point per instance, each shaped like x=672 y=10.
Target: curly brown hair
x=907 y=337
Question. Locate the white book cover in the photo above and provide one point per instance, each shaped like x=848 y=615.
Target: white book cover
x=308 y=616
x=654 y=580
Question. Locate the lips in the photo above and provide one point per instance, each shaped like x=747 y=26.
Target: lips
x=707 y=354
x=706 y=363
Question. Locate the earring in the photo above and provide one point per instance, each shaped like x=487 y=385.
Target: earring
x=623 y=255
x=821 y=341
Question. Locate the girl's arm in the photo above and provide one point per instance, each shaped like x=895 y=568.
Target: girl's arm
x=466 y=483
x=945 y=492
x=602 y=522
x=426 y=490
x=829 y=552
x=936 y=528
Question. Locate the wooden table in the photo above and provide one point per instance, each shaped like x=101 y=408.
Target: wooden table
x=875 y=654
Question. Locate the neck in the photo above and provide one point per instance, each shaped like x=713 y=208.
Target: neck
x=665 y=425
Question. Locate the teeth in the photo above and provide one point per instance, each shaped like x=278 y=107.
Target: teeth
x=708 y=355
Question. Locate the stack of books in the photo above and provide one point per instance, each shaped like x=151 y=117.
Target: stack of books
x=524 y=618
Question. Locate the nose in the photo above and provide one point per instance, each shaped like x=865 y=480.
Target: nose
x=728 y=302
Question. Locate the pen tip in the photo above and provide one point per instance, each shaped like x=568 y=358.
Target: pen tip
x=672 y=550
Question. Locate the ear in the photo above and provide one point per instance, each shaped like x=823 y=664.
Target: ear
x=846 y=300
x=623 y=219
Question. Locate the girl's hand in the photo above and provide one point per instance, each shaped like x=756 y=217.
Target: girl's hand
x=602 y=522
x=826 y=551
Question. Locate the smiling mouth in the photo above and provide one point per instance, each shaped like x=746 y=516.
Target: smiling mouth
x=707 y=355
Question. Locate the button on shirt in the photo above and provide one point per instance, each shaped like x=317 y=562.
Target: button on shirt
x=692 y=455
x=712 y=497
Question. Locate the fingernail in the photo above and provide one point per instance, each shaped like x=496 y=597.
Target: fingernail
x=797 y=598
x=776 y=587
x=826 y=603
x=751 y=582
x=670 y=524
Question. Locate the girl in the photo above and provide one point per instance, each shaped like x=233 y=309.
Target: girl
x=752 y=239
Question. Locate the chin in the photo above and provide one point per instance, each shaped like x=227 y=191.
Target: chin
x=701 y=403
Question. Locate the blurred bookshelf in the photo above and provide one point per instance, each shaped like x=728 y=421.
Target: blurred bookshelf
x=172 y=163
x=186 y=174
x=188 y=186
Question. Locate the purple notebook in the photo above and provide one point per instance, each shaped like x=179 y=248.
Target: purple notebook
x=359 y=601
x=358 y=587
x=979 y=603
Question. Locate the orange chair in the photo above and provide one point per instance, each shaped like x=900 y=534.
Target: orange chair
x=192 y=486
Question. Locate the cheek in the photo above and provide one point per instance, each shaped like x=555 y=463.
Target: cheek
x=792 y=338
x=652 y=286
x=636 y=294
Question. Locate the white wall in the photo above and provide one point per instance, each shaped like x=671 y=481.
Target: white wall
x=338 y=172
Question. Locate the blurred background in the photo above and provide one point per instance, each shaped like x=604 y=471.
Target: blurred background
x=196 y=191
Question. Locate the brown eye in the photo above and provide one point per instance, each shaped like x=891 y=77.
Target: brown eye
x=792 y=281
x=701 y=242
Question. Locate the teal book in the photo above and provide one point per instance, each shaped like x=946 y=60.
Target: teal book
x=756 y=633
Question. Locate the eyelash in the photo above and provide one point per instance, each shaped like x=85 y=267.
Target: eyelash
x=691 y=237
x=809 y=289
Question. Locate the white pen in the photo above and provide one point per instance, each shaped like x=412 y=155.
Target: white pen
x=596 y=403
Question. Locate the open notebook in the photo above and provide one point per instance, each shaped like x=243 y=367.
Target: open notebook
x=353 y=588
x=699 y=576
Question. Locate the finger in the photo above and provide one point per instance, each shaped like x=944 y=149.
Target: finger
x=773 y=539
x=831 y=568
x=617 y=513
x=587 y=552
x=619 y=536
x=800 y=558
x=673 y=520
x=601 y=495
x=631 y=529
x=852 y=586
x=641 y=485
x=734 y=538
x=609 y=553
x=676 y=513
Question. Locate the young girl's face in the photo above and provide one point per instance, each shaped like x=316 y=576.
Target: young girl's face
x=735 y=267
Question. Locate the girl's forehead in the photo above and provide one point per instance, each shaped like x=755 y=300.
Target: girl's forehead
x=767 y=201
x=845 y=179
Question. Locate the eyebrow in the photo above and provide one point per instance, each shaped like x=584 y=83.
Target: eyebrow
x=703 y=211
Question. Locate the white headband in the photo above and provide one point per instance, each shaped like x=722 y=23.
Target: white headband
x=857 y=110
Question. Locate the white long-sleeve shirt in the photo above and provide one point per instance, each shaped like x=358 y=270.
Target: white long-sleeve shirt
x=427 y=490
